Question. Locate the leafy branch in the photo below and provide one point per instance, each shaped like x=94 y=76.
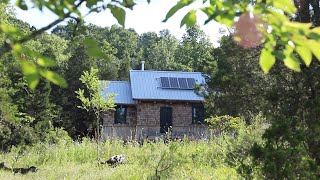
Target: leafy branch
x=15 y=38
x=6 y=47
x=267 y=22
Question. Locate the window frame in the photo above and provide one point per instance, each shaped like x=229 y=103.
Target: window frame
x=116 y=114
x=202 y=117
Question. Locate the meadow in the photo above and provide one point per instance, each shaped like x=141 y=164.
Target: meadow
x=221 y=156
x=157 y=160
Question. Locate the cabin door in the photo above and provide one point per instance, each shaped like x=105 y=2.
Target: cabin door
x=165 y=119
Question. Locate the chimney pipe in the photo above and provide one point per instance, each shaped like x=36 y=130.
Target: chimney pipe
x=142 y=65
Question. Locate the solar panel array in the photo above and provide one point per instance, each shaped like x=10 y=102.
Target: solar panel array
x=177 y=83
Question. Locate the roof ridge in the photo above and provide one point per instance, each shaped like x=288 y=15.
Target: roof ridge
x=119 y=81
x=165 y=71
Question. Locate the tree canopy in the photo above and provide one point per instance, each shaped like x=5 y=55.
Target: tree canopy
x=269 y=23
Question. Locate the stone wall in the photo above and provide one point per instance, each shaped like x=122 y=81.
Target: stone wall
x=125 y=131
x=108 y=117
x=148 y=119
x=144 y=121
x=148 y=113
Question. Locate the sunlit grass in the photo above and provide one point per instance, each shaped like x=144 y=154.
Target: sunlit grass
x=74 y=160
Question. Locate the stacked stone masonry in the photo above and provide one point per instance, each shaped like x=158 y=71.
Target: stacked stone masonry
x=144 y=120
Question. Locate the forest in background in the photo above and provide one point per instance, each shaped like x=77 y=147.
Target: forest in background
x=49 y=106
x=288 y=100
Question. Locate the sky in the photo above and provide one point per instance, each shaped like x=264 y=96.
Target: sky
x=143 y=18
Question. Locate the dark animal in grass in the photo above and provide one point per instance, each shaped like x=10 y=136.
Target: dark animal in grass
x=4 y=167
x=115 y=160
x=24 y=170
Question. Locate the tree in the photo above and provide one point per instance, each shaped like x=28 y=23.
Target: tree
x=95 y=101
x=255 y=16
x=194 y=51
x=158 y=51
x=126 y=43
x=289 y=100
x=269 y=23
x=235 y=84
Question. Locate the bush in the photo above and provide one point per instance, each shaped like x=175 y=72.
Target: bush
x=24 y=134
x=236 y=138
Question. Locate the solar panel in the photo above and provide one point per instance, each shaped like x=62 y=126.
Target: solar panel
x=183 y=83
x=173 y=82
x=191 y=83
x=177 y=83
x=164 y=82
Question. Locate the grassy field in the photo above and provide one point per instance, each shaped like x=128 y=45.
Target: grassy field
x=74 y=160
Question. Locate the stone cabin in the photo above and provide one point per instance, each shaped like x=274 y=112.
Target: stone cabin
x=152 y=103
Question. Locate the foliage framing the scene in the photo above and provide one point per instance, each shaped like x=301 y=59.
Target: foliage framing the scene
x=268 y=22
x=34 y=65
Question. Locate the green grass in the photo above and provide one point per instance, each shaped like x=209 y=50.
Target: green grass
x=74 y=160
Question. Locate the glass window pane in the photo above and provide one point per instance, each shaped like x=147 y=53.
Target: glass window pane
x=198 y=115
x=120 y=115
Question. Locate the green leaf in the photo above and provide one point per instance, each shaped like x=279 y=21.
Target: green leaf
x=32 y=80
x=22 y=5
x=128 y=4
x=10 y=30
x=314 y=47
x=179 y=5
x=91 y=3
x=297 y=26
x=90 y=42
x=28 y=67
x=30 y=73
x=285 y=5
x=118 y=13
x=70 y=6
x=267 y=60
x=224 y=17
x=292 y=63
x=289 y=59
x=96 y=52
x=275 y=17
x=93 y=48
x=17 y=49
x=316 y=30
x=189 y=19
x=46 y=62
x=54 y=78
x=208 y=10
x=305 y=54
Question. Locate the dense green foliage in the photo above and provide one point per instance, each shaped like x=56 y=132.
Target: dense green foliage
x=287 y=99
x=270 y=23
x=28 y=115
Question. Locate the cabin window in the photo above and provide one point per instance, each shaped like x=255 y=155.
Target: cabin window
x=198 y=114
x=120 y=115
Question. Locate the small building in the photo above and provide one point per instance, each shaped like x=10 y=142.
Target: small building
x=152 y=103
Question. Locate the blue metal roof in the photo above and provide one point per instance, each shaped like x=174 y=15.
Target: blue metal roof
x=122 y=89
x=145 y=85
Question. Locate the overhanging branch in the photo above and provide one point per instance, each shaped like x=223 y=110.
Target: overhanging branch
x=6 y=47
